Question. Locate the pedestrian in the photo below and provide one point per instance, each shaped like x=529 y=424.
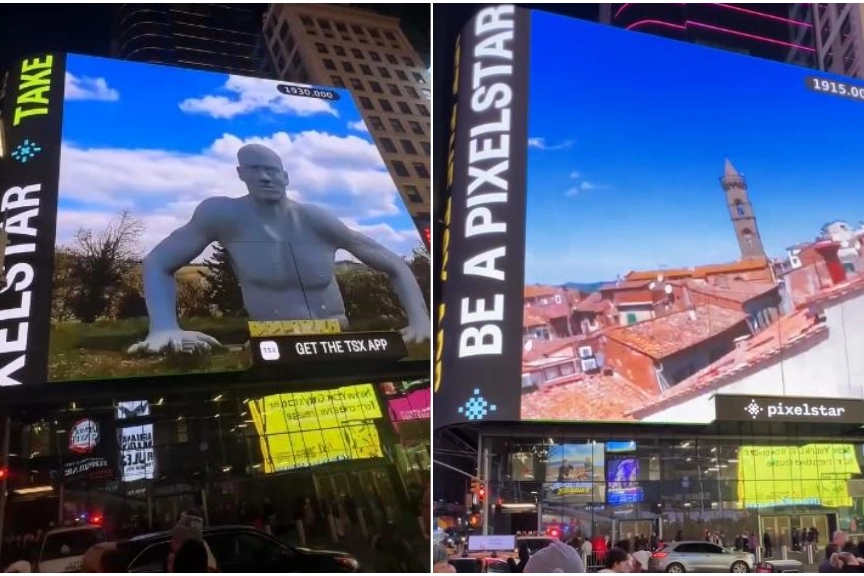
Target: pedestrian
x=618 y=560
x=556 y=557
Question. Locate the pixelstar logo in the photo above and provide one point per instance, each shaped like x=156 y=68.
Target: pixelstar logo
x=84 y=436
x=792 y=410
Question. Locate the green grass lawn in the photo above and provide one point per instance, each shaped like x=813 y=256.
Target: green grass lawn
x=98 y=350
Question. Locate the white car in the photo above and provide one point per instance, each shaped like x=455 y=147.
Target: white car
x=63 y=549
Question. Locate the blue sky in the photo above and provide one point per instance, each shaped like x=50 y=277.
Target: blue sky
x=157 y=140
x=629 y=134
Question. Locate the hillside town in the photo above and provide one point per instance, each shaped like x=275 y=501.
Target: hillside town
x=656 y=345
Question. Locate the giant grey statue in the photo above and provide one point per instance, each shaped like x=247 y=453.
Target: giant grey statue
x=283 y=255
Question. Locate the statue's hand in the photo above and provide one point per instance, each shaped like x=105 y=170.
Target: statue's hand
x=175 y=340
x=415 y=332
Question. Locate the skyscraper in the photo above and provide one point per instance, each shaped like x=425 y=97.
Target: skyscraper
x=213 y=37
x=839 y=37
x=762 y=30
x=333 y=45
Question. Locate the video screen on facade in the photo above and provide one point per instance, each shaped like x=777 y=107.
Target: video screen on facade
x=158 y=218
x=622 y=481
x=575 y=473
x=638 y=225
x=305 y=429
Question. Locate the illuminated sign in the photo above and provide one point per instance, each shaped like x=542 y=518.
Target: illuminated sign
x=813 y=474
x=132 y=409
x=195 y=224
x=414 y=405
x=575 y=472
x=84 y=436
x=302 y=429
x=787 y=409
x=137 y=459
x=315 y=347
x=553 y=309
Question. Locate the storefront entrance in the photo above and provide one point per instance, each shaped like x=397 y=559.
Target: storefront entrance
x=781 y=528
x=630 y=529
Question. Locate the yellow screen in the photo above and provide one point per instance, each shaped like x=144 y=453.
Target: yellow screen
x=302 y=429
x=813 y=474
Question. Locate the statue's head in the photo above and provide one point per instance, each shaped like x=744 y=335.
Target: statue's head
x=260 y=168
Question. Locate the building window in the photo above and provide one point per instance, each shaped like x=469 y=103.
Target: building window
x=348 y=67
x=329 y=64
x=404 y=108
x=340 y=26
x=421 y=170
x=389 y=35
x=416 y=128
x=385 y=105
x=376 y=87
x=357 y=29
x=324 y=24
x=365 y=69
x=397 y=126
x=829 y=60
x=394 y=89
x=400 y=169
x=384 y=72
x=374 y=33
x=366 y=103
x=392 y=59
x=408 y=146
x=322 y=48
x=846 y=28
x=631 y=318
x=357 y=84
x=412 y=92
x=374 y=56
x=283 y=31
x=401 y=75
x=407 y=61
x=357 y=53
x=427 y=149
x=388 y=145
x=376 y=122
x=413 y=194
x=339 y=50
x=337 y=81
x=418 y=77
x=739 y=208
x=423 y=109
x=307 y=21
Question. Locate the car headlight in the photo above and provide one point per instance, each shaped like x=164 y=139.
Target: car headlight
x=348 y=562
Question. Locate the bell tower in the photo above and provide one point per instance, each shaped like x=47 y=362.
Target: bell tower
x=741 y=212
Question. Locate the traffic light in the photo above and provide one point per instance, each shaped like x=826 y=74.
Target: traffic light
x=3 y=474
x=481 y=493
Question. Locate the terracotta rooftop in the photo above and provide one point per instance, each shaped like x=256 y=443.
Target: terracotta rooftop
x=763 y=348
x=701 y=271
x=594 y=303
x=638 y=297
x=541 y=348
x=550 y=311
x=668 y=335
x=538 y=291
x=626 y=285
x=529 y=320
x=734 y=290
x=854 y=286
x=582 y=397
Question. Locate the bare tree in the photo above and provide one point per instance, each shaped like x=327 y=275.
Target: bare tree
x=103 y=260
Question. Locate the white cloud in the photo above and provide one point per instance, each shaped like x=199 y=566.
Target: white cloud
x=162 y=187
x=587 y=186
x=247 y=95
x=540 y=144
x=575 y=175
x=84 y=88
x=571 y=192
x=358 y=126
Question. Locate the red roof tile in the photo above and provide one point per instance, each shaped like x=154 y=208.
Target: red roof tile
x=786 y=333
x=667 y=335
x=529 y=320
x=594 y=303
x=853 y=286
x=638 y=297
x=541 y=348
x=538 y=291
x=625 y=285
x=550 y=311
x=734 y=290
x=598 y=397
x=701 y=271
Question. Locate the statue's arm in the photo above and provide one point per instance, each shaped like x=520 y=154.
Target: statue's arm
x=175 y=251
x=377 y=256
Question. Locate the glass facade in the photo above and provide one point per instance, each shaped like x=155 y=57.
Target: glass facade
x=674 y=486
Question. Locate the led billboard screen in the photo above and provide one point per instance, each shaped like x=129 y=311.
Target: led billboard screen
x=184 y=212
x=304 y=429
x=636 y=226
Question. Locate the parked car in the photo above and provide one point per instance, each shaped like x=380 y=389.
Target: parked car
x=63 y=549
x=699 y=556
x=238 y=549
